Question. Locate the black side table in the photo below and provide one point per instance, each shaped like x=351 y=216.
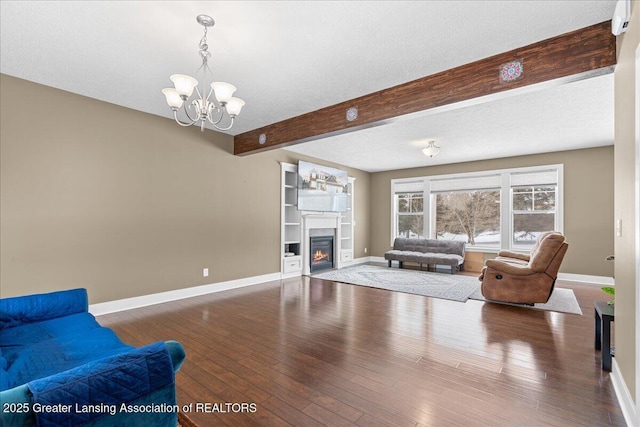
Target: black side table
x=604 y=315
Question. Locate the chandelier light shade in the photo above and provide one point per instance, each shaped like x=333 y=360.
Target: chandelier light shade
x=224 y=91
x=431 y=149
x=184 y=84
x=173 y=98
x=234 y=105
x=203 y=109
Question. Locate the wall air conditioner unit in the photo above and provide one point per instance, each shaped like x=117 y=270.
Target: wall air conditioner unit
x=621 y=17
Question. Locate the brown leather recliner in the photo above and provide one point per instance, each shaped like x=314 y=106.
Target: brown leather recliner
x=525 y=279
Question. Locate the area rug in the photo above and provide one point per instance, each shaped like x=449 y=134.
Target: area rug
x=562 y=300
x=436 y=285
x=455 y=287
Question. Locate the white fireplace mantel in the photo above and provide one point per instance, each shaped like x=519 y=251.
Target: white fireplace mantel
x=311 y=221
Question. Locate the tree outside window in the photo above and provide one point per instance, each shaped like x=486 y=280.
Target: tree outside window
x=470 y=216
x=410 y=211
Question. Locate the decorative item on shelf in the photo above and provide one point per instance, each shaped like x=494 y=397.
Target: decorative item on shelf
x=204 y=109
x=431 y=149
x=609 y=289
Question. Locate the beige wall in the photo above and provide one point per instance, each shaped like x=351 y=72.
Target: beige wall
x=126 y=204
x=588 y=203
x=625 y=270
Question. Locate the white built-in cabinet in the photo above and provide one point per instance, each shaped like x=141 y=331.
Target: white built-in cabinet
x=347 y=224
x=292 y=233
x=290 y=223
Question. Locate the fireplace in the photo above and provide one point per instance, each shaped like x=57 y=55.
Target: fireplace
x=321 y=253
x=314 y=225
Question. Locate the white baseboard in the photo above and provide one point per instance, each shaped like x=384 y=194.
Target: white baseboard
x=624 y=397
x=161 y=297
x=586 y=279
x=357 y=261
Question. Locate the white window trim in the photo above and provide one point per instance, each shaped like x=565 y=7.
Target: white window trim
x=505 y=208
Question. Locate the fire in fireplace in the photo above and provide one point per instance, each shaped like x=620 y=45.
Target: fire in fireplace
x=321 y=253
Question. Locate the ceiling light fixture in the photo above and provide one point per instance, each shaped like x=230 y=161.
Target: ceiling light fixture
x=203 y=109
x=431 y=149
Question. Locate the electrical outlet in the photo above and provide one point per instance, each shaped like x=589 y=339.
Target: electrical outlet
x=619 y=228
x=365 y=250
x=205 y=272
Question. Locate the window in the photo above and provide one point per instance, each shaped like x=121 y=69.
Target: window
x=533 y=207
x=533 y=213
x=487 y=210
x=408 y=209
x=470 y=216
x=410 y=218
x=467 y=208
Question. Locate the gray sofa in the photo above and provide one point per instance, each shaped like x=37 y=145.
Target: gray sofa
x=427 y=251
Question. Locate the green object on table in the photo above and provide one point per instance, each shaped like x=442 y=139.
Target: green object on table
x=611 y=291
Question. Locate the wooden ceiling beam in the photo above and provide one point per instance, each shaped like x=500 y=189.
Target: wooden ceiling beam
x=581 y=51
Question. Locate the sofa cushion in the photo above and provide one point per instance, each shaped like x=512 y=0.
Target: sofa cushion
x=409 y=256
x=445 y=246
x=409 y=245
x=40 y=349
x=18 y=311
x=39 y=331
x=511 y=260
x=440 y=258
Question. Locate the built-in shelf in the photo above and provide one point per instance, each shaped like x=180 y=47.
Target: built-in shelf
x=292 y=245
x=291 y=223
x=347 y=225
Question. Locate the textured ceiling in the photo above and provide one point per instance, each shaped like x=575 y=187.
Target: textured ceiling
x=289 y=58
x=567 y=117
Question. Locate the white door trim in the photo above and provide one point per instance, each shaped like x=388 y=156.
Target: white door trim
x=637 y=203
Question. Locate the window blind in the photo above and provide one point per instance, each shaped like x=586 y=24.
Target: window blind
x=461 y=184
x=549 y=177
x=408 y=187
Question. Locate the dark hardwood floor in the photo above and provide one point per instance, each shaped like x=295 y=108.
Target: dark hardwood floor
x=309 y=353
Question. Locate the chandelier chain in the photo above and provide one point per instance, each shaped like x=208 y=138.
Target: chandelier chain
x=204 y=47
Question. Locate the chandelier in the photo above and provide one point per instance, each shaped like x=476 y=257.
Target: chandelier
x=202 y=109
x=431 y=149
